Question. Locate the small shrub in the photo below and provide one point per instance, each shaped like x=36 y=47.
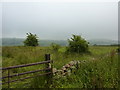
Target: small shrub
x=31 y=40
x=77 y=44
x=118 y=50
x=55 y=47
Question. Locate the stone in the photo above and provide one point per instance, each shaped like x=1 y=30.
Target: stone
x=75 y=62
x=67 y=66
x=54 y=70
x=78 y=61
x=63 y=68
x=59 y=72
x=71 y=63
x=72 y=67
x=64 y=73
x=49 y=65
x=69 y=72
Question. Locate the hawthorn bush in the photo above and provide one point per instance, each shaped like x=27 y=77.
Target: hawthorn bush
x=77 y=44
x=31 y=40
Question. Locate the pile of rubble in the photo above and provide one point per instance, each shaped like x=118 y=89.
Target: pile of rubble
x=67 y=69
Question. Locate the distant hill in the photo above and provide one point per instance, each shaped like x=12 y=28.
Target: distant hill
x=19 y=42
x=103 y=42
x=12 y=41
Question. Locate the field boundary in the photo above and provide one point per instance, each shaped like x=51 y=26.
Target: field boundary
x=47 y=69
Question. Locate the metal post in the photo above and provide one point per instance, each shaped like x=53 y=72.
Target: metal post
x=48 y=77
x=8 y=79
x=77 y=66
x=47 y=57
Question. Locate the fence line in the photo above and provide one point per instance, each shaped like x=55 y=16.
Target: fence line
x=25 y=65
x=48 y=71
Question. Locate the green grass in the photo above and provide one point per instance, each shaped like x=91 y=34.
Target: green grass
x=101 y=73
x=97 y=72
x=24 y=55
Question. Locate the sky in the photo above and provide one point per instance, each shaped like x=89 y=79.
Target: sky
x=0 y=21
x=59 y=20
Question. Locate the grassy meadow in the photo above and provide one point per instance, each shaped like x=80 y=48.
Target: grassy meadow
x=99 y=71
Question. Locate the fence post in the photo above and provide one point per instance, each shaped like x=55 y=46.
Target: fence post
x=8 y=78
x=48 y=76
x=47 y=57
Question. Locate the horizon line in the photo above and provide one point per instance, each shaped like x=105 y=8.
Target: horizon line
x=60 y=39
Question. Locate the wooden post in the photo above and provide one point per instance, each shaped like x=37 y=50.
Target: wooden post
x=49 y=76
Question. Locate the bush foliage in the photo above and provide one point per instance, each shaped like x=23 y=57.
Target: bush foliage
x=31 y=40
x=77 y=44
x=55 y=46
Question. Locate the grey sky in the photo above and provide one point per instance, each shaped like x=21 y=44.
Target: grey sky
x=60 y=20
x=0 y=21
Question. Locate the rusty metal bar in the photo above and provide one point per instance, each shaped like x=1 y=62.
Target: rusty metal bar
x=25 y=65
x=10 y=76
x=48 y=71
x=27 y=78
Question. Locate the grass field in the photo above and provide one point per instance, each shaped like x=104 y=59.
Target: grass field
x=99 y=71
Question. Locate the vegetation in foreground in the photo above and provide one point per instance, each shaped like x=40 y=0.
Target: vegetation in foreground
x=100 y=70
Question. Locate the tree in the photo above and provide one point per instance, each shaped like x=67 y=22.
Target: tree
x=77 y=44
x=31 y=40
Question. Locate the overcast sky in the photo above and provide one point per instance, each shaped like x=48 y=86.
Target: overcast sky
x=95 y=20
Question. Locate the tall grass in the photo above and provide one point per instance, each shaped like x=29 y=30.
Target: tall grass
x=101 y=73
x=97 y=72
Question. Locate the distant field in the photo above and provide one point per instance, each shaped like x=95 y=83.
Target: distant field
x=17 y=55
x=19 y=42
x=21 y=55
